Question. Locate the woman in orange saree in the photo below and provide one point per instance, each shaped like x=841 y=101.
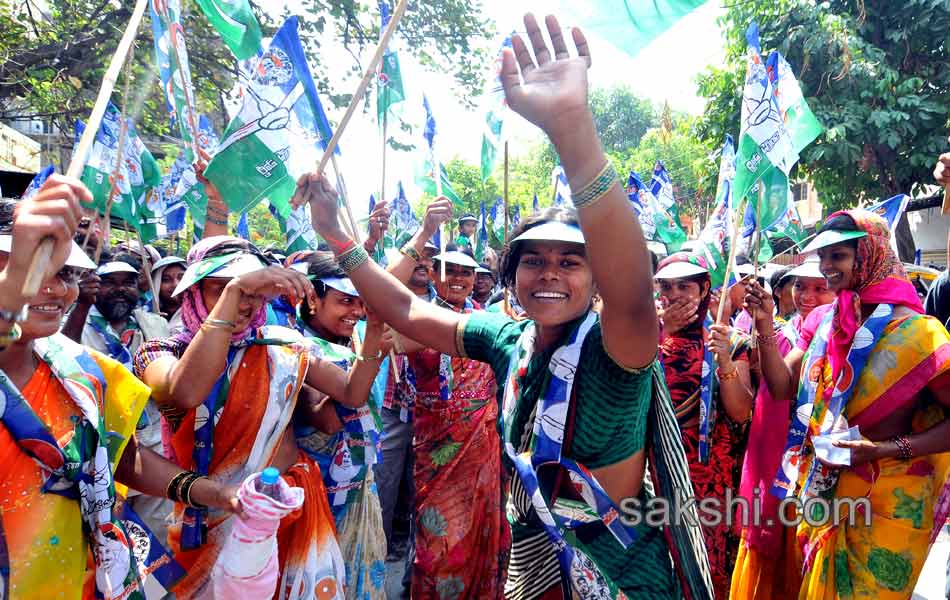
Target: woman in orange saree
x=228 y=388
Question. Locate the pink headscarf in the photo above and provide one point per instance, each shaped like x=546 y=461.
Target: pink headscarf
x=879 y=278
x=193 y=309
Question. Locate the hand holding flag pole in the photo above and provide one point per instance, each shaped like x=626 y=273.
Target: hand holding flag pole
x=368 y=74
x=44 y=252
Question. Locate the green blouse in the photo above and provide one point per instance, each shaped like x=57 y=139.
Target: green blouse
x=612 y=402
x=610 y=422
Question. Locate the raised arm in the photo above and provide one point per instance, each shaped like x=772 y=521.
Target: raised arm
x=551 y=92
x=391 y=300
x=439 y=211
x=186 y=382
x=352 y=390
x=780 y=374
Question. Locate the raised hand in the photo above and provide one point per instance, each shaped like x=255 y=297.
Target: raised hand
x=760 y=304
x=53 y=212
x=315 y=189
x=721 y=346
x=275 y=281
x=379 y=221
x=438 y=212
x=88 y=288
x=550 y=89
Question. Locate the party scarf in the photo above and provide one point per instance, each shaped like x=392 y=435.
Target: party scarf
x=821 y=415
x=80 y=469
x=446 y=374
x=116 y=346
x=547 y=448
x=707 y=408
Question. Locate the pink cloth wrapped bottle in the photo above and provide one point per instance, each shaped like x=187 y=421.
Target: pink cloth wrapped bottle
x=247 y=565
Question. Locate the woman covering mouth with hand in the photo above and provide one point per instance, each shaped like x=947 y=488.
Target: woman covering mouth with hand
x=578 y=394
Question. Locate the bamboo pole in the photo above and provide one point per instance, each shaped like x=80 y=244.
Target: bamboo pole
x=382 y=185
x=507 y=304
x=756 y=240
x=732 y=257
x=354 y=229
x=147 y=265
x=44 y=251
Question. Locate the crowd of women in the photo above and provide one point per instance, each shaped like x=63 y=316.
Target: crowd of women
x=595 y=385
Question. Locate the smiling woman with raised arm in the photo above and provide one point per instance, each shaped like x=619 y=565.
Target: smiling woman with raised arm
x=872 y=376
x=227 y=387
x=580 y=391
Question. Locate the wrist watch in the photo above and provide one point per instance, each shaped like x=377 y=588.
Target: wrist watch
x=15 y=316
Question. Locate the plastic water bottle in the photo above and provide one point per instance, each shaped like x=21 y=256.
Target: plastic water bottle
x=267 y=483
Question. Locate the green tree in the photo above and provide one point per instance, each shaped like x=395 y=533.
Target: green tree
x=622 y=119
x=52 y=63
x=874 y=73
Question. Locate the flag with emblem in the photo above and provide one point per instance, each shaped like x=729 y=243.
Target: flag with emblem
x=494 y=116
x=171 y=56
x=716 y=235
x=135 y=201
x=389 y=89
x=278 y=134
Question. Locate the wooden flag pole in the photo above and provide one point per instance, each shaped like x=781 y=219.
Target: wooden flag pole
x=382 y=185
x=147 y=265
x=732 y=259
x=44 y=252
x=437 y=173
x=354 y=230
x=507 y=304
x=756 y=240
x=945 y=207
x=368 y=73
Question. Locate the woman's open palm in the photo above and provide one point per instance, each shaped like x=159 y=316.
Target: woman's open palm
x=550 y=88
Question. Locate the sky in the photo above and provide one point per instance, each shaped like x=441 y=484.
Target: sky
x=664 y=71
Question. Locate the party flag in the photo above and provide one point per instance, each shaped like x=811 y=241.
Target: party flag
x=236 y=24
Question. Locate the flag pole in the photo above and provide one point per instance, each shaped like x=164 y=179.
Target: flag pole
x=148 y=270
x=368 y=74
x=507 y=305
x=757 y=238
x=44 y=252
x=437 y=174
x=945 y=207
x=732 y=257
x=354 y=230
x=382 y=185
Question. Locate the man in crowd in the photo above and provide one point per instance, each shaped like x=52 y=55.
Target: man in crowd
x=484 y=284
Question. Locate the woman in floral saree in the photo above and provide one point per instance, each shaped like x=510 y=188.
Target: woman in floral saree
x=869 y=420
x=462 y=535
x=766 y=566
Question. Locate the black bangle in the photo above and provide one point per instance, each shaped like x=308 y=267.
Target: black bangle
x=171 y=490
x=186 y=493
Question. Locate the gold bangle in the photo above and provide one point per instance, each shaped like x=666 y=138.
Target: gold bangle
x=727 y=376
x=409 y=251
x=597 y=188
